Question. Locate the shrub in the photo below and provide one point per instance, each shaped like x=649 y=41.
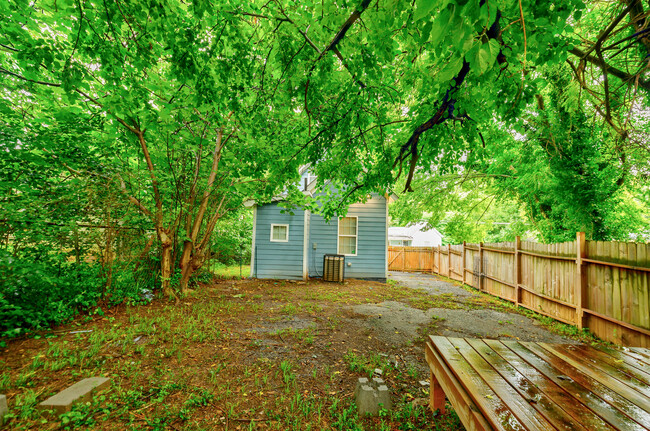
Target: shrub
x=37 y=291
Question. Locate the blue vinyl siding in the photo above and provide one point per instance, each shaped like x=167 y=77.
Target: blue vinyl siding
x=278 y=259
x=370 y=261
x=284 y=260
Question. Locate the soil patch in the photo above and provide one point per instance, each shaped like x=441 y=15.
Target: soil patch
x=255 y=354
x=396 y=321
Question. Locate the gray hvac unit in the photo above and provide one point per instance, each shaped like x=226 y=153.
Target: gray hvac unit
x=333 y=267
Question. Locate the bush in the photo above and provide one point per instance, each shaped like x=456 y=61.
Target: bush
x=38 y=291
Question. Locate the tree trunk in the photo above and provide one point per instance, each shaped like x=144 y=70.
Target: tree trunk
x=192 y=257
x=166 y=270
x=107 y=259
x=186 y=265
x=195 y=261
x=166 y=262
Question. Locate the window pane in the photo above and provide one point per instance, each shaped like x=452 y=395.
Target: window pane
x=348 y=226
x=280 y=233
x=347 y=245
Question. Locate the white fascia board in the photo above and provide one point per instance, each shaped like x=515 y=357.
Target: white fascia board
x=253 y=246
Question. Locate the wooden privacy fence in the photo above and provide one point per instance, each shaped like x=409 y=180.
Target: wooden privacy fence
x=410 y=258
x=603 y=286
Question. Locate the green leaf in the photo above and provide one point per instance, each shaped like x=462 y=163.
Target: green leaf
x=450 y=70
x=485 y=56
x=423 y=9
x=426 y=32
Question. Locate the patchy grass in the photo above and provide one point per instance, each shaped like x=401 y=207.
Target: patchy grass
x=238 y=354
x=232 y=272
x=428 y=329
x=366 y=364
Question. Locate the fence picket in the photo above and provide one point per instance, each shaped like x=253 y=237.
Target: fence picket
x=602 y=286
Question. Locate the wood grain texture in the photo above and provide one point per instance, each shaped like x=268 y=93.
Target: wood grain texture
x=539 y=386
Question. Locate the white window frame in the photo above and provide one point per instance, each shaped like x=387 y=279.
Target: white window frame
x=279 y=240
x=356 y=237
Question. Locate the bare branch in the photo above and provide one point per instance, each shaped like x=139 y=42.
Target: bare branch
x=132 y=199
x=50 y=84
x=626 y=77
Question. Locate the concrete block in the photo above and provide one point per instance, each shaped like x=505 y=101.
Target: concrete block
x=3 y=409
x=371 y=396
x=80 y=392
x=383 y=397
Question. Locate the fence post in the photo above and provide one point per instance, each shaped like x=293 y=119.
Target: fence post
x=403 y=258
x=517 y=271
x=480 y=266
x=463 y=266
x=439 y=271
x=449 y=260
x=581 y=279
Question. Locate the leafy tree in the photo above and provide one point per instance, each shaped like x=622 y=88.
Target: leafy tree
x=611 y=64
x=561 y=171
x=184 y=131
x=425 y=88
x=193 y=107
x=234 y=234
x=566 y=173
x=463 y=207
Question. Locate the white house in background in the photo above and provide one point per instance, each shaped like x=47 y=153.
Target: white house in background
x=414 y=235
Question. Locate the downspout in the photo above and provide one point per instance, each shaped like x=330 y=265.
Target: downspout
x=253 y=248
x=305 y=246
x=386 y=197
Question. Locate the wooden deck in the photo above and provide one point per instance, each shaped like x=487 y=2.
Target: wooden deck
x=510 y=385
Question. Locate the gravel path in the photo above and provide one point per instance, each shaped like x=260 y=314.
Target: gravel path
x=399 y=322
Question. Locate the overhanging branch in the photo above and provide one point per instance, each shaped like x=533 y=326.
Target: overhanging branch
x=624 y=76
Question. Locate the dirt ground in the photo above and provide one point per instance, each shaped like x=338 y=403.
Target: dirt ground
x=459 y=310
x=256 y=354
x=456 y=312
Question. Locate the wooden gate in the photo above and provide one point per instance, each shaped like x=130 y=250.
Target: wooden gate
x=410 y=258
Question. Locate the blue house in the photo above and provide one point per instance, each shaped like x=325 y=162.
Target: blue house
x=292 y=246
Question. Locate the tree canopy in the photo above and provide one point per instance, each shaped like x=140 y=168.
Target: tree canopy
x=164 y=116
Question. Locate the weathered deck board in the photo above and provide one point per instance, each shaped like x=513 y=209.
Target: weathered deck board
x=609 y=376
x=627 y=355
x=614 y=407
x=616 y=361
x=529 y=391
x=644 y=353
x=490 y=405
x=467 y=410
x=560 y=393
x=520 y=407
x=541 y=386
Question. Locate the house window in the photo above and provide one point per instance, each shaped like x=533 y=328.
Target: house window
x=348 y=236
x=279 y=233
